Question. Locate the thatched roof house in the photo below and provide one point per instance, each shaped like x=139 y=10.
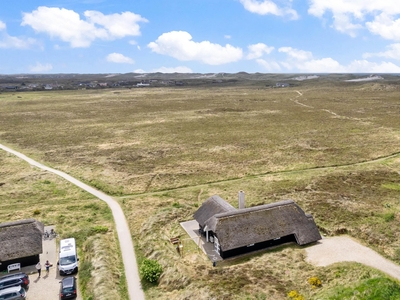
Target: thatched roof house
x=213 y=205
x=21 y=241
x=236 y=231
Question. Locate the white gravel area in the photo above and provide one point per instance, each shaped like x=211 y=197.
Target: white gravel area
x=343 y=248
x=46 y=287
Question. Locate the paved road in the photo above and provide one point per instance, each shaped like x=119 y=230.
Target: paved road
x=124 y=235
x=342 y=248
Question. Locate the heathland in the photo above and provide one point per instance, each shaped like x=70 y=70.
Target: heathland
x=332 y=146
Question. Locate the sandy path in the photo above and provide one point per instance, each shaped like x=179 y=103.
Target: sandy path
x=342 y=248
x=124 y=235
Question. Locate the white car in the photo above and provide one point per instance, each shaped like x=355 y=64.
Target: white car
x=11 y=293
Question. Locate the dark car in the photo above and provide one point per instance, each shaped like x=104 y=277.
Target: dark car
x=68 y=288
x=16 y=279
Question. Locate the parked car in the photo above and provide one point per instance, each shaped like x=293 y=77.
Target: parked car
x=68 y=288
x=16 y=279
x=11 y=293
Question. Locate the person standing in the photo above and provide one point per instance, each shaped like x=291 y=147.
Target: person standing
x=39 y=268
x=47 y=265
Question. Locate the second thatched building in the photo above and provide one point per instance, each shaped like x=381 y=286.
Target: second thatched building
x=20 y=242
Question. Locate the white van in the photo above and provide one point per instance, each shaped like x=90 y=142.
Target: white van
x=68 y=258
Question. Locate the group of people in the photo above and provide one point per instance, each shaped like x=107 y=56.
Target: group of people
x=39 y=267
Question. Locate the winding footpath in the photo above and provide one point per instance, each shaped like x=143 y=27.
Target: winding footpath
x=125 y=240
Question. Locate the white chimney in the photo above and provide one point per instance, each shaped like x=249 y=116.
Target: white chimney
x=242 y=203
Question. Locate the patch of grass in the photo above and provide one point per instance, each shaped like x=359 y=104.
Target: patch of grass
x=389 y=217
x=370 y=289
x=165 y=145
x=391 y=186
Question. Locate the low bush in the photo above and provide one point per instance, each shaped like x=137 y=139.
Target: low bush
x=151 y=270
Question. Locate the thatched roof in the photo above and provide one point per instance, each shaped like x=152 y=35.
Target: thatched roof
x=212 y=206
x=20 y=239
x=237 y=228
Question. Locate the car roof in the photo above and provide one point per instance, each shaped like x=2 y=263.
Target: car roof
x=20 y=274
x=13 y=289
x=68 y=281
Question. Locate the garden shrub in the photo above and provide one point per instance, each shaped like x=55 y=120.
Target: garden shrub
x=151 y=270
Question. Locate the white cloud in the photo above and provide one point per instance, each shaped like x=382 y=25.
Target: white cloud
x=40 y=68
x=119 y=58
x=179 y=44
x=324 y=65
x=12 y=42
x=343 y=23
x=227 y=36
x=295 y=53
x=266 y=7
x=303 y=61
x=270 y=66
x=350 y=16
x=180 y=69
x=392 y=52
x=258 y=50
x=68 y=26
x=364 y=66
x=385 y=26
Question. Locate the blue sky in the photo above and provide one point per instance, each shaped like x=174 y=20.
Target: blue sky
x=200 y=36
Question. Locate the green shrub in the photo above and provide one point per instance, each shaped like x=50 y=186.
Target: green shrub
x=36 y=212
x=176 y=205
x=388 y=217
x=151 y=270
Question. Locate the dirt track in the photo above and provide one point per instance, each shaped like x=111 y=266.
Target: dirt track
x=342 y=248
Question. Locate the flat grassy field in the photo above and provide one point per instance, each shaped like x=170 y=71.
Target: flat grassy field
x=333 y=147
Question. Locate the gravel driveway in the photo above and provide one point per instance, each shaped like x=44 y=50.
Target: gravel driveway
x=46 y=287
x=342 y=248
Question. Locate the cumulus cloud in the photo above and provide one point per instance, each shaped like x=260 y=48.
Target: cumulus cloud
x=68 y=26
x=350 y=16
x=119 y=58
x=180 y=69
x=296 y=53
x=392 y=52
x=361 y=66
x=270 y=66
x=179 y=44
x=385 y=26
x=268 y=7
x=303 y=61
x=258 y=50
x=12 y=42
x=40 y=68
